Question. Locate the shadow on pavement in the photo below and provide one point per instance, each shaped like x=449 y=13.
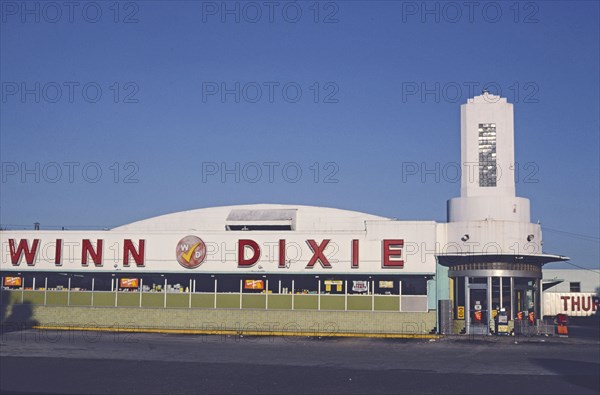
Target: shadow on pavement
x=20 y=317
x=585 y=327
x=583 y=374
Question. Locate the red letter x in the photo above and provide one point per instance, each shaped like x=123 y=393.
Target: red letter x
x=318 y=254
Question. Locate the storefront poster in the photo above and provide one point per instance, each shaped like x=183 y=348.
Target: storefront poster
x=129 y=283
x=254 y=284
x=359 y=286
x=338 y=285
x=12 y=281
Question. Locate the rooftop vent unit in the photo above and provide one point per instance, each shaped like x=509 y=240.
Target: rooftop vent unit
x=265 y=220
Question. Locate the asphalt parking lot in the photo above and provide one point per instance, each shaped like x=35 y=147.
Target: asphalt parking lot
x=75 y=362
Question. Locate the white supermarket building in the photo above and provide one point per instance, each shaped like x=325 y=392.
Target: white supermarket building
x=292 y=258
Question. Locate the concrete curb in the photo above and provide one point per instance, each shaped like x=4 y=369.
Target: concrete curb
x=237 y=333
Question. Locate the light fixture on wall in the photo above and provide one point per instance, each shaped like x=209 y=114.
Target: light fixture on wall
x=530 y=237
x=465 y=237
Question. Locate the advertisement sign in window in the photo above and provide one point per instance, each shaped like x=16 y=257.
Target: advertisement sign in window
x=129 y=283
x=359 y=286
x=338 y=285
x=254 y=284
x=12 y=281
x=460 y=313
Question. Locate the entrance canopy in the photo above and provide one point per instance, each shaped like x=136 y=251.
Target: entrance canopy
x=497 y=265
x=452 y=259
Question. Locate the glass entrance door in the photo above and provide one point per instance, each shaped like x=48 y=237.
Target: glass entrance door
x=525 y=297
x=478 y=306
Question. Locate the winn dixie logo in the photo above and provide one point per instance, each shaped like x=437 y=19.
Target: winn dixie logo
x=191 y=252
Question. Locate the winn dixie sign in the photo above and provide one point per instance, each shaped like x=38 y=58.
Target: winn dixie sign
x=191 y=253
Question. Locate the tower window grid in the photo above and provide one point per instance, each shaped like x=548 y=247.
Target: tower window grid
x=487 y=155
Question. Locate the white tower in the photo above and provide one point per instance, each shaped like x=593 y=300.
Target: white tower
x=487 y=189
x=492 y=249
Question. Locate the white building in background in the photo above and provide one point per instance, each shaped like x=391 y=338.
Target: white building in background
x=487 y=256
x=575 y=292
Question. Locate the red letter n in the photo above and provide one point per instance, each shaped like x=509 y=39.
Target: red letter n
x=87 y=248
x=129 y=248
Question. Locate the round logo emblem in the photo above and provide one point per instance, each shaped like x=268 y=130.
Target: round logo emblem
x=191 y=252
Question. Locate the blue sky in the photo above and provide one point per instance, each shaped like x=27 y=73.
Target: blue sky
x=358 y=90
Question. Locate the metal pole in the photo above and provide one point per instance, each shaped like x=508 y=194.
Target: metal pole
x=293 y=293
x=489 y=302
x=319 y=296
x=536 y=299
x=34 y=283
x=512 y=298
x=267 y=297
x=345 y=295
x=456 y=294
x=46 y=290
x=69 y=291
x=190 y=293
x=541 y=291
x=467 y=307
x=215 y=304
x=92 y=292
x=141 y=290
x=165 y=300
x=22 y=289
x=279 y=292
x=241 y=290
x=501 y=289
x=372 y=295
x=400 y=295
x=116 y=292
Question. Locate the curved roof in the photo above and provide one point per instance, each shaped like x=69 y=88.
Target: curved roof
x=298 y=217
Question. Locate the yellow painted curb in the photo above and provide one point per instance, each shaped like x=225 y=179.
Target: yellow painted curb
x=237 y=333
